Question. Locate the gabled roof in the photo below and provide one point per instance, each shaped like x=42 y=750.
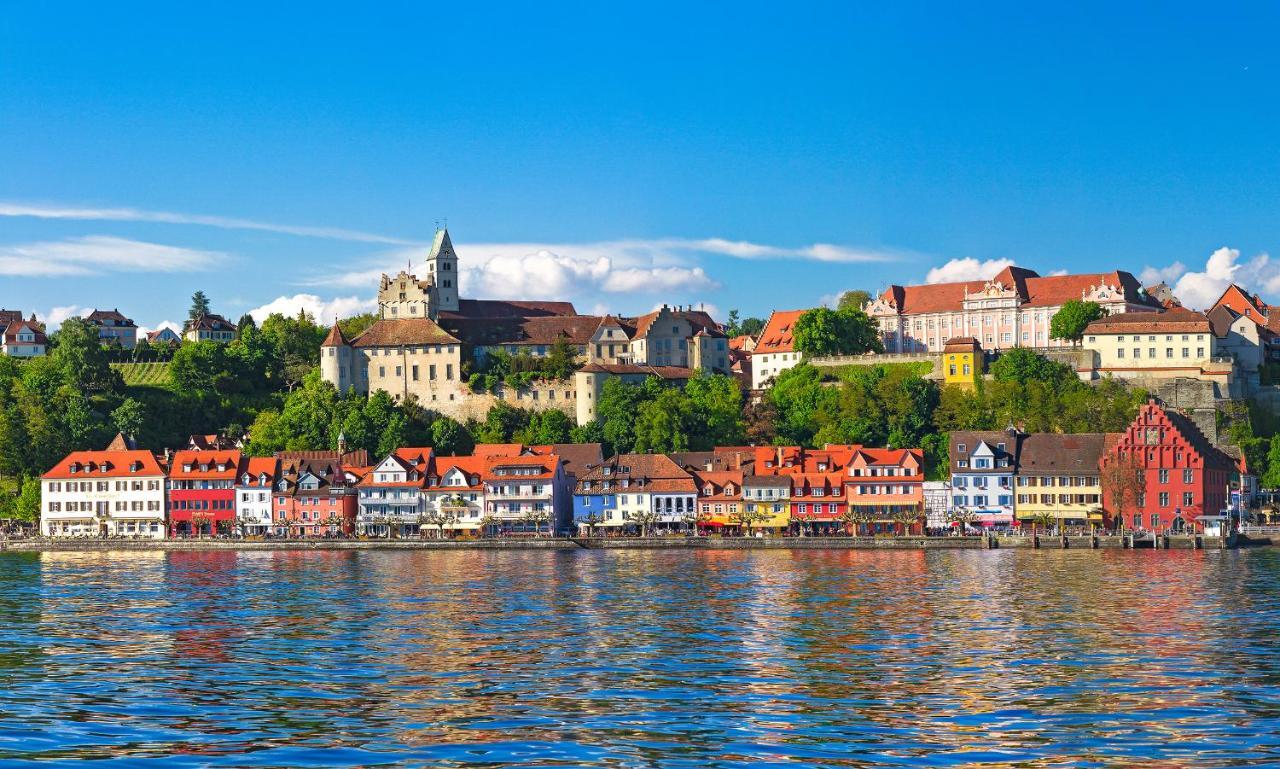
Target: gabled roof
x=402 y=332
x=777 y=333
x=499 y=308
x=12 y=331
x=210 y=322
x=1178 y=321
x=256 y=468
x=99 y=317
x=1061 y=454
x=204 y=465
x=105 y=464
x=544 y=465
x=577 y=457
x=540 y=330
x=1033 y=290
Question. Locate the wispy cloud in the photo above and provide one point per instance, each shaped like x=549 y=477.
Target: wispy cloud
x=98 y=254
x=167 y=217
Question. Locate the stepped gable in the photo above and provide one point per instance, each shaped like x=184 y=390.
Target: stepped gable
x=1195 y=437
x=402 y=332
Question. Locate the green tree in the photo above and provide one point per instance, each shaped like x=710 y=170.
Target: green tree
x=751 y=327
x=823 y=331
x=716 y=401
x=82 y=360
x=664 y=423
x=200 y=369
x=296 y=342
x=855 y=299
x=129 y=417
x=450 y=438
x=246 y=322
x=1271 y=479
x=616 y=410
x=550 y=426
x=27 y=506
x=357 y=324
x=1069 y=322
x=1022 y=365
x=199 y=305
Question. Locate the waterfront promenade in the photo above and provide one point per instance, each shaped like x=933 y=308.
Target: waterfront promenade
x=1082 y=542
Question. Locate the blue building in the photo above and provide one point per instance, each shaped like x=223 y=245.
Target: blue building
x=983 y=464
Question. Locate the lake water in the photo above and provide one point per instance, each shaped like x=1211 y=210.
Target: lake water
x=641 y=659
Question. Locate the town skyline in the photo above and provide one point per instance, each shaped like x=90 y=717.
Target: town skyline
x=876 y=147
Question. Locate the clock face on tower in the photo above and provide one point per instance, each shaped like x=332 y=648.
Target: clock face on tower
x=1152 y=436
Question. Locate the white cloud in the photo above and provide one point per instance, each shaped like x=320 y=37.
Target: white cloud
x=1153 y=275
x=53 y=319
x=1199 y=290
x=97 y=254
x=1057 y=273
x=166 y=217
x=174 y=327
x=967 y=268
x=323 y=310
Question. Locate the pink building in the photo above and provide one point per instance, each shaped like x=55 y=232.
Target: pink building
x=1013 y=309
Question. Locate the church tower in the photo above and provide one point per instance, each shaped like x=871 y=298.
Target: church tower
x=442 y=275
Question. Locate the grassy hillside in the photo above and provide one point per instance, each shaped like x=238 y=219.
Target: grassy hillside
x=143 y=374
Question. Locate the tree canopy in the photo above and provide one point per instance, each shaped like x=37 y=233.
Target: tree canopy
x=854 y=299
x=823 y=331
x=1070 y=321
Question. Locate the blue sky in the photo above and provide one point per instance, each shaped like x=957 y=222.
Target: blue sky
x=744 y=156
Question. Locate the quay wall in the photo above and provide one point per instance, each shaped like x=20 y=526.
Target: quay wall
x=629 y=543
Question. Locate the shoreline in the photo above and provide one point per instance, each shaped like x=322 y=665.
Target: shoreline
x=1083 y=542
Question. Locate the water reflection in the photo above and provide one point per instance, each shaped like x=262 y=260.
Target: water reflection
x=634 y=658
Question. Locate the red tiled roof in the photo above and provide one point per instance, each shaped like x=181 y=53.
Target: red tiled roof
x=497 y=450
x=98 y=316
x=335 y=337
x=209 y=459
x=776 y=336
x=1035 y=291
x=406 y=331
x=118 y=464
x=258 y=466
x=1176 y=320
x=496 y=308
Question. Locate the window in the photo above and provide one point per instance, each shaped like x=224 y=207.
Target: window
x=1188 y=499
x=1164 y=476
x=1164 y=499
x=1199 y=352
x=1151 y=352
x=414 y=370
x=1120 y=352
x=1188 y=476
x=1186 y=352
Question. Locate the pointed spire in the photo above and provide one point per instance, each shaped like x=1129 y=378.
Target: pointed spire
x=335 y=338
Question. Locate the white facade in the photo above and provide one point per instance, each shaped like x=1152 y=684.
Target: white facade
x=767 y=366
x=112 y=506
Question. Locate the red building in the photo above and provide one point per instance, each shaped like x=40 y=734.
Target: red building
x=315 y=494
x=1181 y=476
x=202 y=495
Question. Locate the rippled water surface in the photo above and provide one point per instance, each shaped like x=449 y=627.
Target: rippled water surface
x=629 y=659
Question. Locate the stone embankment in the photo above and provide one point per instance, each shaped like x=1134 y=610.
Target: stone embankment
x=636 y=543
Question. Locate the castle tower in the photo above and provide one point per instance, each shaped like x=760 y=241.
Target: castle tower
x=338 y=360
x=442 y=275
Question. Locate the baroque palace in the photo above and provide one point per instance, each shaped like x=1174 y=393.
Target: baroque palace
x=426 y=333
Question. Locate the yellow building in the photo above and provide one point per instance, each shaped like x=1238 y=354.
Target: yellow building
x=962 y=361
x=1057 y=480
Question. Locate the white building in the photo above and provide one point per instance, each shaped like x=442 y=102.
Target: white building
x=937 y=504
x=390 y=495
x=21 y=338
x=526 y=493
x=254 y=485
x=775 y=350
x=117 y=493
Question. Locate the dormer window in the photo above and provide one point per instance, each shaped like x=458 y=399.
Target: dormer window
x=75 y=467
x=222 y=467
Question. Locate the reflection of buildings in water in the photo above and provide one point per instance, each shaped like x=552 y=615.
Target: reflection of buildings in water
x=102 y=601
